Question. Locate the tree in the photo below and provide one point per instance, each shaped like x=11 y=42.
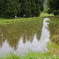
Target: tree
x=33 y=8
x=27 y=5
x=36 y=7
x=53 y=6
x=30 y=8
x=20 y=8
x=9 y=8
x=25 y=8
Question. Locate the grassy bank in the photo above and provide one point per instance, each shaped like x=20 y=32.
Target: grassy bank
x=9 y=21
x=13 y=20
x=46 y=15
x=54 y=24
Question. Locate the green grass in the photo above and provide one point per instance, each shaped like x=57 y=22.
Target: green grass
x=54 y=24
x=46 y=15
x=8 y=21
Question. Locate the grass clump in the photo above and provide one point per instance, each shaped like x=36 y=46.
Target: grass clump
x=53 y=48
x=33 y=55
x=39 y=55
x=12 y=56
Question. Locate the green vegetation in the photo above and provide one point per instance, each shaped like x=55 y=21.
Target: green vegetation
x=32 y=55
x=53 y=6
x=9 y=8
x=45 y=15
x=13 y=20
x=20 y=8
x=30 y=8
x=54 y=24
x=53 y=48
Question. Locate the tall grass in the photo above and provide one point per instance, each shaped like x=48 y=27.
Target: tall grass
x=54 y=29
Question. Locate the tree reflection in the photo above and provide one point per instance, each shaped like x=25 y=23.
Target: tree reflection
x=13 y=32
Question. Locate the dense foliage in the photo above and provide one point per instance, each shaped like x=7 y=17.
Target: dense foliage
x=9 y=8
x=53 y=6
x=21 y=8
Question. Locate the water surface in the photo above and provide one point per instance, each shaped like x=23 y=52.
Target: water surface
x=20 y=37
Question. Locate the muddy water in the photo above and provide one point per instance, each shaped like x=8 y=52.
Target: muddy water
x=20 y=38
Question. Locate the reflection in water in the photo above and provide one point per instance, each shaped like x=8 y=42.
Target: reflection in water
x=5 y=49
x=20 y=37
x=45 y=34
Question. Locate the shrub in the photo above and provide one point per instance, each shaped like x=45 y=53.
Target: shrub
x=55 y=12
x=49 y=11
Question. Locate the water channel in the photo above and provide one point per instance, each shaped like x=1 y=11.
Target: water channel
x=20 y=41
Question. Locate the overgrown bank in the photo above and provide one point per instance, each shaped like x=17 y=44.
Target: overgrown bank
x=54 y=29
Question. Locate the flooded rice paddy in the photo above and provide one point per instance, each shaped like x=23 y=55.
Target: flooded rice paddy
x=21 y=37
